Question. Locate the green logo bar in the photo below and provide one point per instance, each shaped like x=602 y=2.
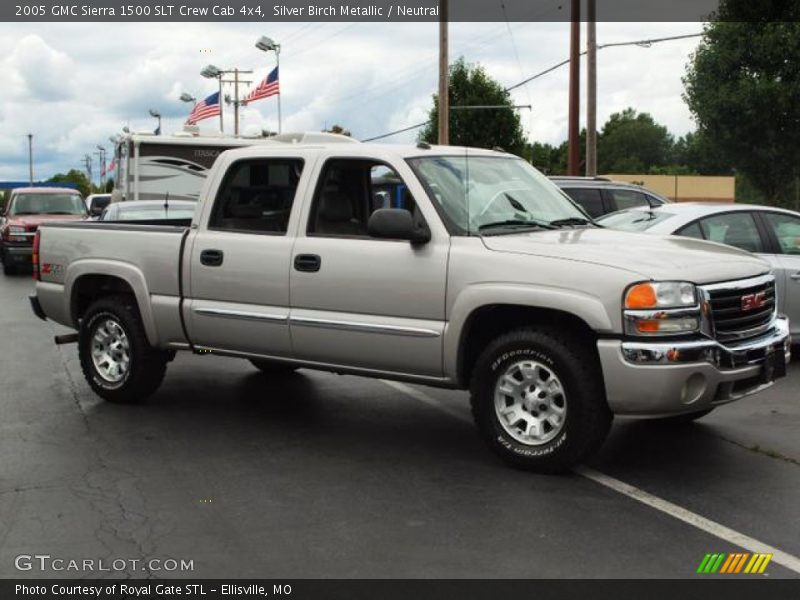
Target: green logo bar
x=703 y=563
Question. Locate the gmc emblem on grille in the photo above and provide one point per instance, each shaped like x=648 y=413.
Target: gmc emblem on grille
x=753 y=301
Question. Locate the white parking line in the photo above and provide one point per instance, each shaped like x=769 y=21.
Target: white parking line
x=727 y=534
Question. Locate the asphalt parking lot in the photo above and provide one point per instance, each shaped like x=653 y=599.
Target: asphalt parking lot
x=319 y=475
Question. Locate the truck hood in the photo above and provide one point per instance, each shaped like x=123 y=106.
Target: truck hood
x=649 y=256
x=33 y=221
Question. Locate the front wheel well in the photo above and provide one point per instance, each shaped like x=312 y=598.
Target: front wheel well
x=488 y=322
x=89 y=288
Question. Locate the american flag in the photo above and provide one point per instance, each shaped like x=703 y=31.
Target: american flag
x=108 y=168
x=265 y=89
x=206 y=108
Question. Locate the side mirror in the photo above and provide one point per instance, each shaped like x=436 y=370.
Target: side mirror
x=396 y=224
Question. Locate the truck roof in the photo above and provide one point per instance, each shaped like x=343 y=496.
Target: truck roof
x=368 y=150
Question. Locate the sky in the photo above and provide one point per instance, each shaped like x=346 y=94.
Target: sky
x=74 y=85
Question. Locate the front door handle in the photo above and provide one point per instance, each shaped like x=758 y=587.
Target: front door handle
x=308 y=263
x=211 y=258
x=795 y=276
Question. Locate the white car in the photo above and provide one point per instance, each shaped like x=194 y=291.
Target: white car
x=771 y=233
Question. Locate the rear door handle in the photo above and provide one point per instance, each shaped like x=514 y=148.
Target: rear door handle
x=211 y=258
x=795 y=276
x=308 y=263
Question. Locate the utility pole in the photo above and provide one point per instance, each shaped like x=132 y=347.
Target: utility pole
x=87 y=163
x=444 y=77
x=574 y=158
x=30 y=158
x=235 y=101
x=591 y=92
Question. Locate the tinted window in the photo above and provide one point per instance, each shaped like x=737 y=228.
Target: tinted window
x=350 y=190
x=735 y=229
x=590 y=200
x=692 y=231
x=787 y=230
x=257 y=195
x=628 y=199
x=48 y=204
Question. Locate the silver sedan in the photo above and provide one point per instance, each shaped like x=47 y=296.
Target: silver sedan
x=771 y=233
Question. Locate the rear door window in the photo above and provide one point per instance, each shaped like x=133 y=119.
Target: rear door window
x=591 y=200
x=622 y=199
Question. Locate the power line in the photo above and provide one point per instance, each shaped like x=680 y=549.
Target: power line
x=643 y=43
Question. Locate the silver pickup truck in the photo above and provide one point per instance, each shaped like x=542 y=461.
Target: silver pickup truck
x=445 y=266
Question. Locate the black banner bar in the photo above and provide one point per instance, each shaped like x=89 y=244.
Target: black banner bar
x=398 y=11
x=731 y=588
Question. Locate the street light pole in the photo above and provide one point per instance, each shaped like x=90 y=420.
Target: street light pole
x=266 y=44
x=574 y=157
x=444 y=77
x=591 y=92
x=30 y=158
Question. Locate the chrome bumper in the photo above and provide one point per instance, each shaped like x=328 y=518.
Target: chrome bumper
x=661 y=378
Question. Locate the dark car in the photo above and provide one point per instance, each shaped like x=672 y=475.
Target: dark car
x=599 y=196
x=149 y=210
x=25 y=210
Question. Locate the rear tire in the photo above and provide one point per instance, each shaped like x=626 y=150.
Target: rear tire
x=271 y=367
x=538 y=399
x=117 y=361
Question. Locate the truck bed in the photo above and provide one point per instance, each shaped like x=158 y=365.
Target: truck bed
x=147 y=254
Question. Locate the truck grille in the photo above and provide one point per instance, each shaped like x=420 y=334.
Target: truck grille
x=742 y=310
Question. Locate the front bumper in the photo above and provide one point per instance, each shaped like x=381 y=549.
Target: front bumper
x=660 y=378
x=17 y=254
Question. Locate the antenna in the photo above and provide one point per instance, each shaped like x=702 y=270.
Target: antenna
x=166 y=203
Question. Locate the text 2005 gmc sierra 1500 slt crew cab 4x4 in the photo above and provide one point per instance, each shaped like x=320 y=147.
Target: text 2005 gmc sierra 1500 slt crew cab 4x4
x=445 y=266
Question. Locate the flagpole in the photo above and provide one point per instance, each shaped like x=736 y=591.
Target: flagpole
x=278 y=66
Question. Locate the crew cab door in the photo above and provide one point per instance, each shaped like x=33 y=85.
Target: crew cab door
x=238 y=270
x=362 y=302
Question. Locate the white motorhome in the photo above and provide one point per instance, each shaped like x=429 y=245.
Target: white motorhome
x=149 y=166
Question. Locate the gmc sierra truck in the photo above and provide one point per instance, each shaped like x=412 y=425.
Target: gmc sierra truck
x=460 y=268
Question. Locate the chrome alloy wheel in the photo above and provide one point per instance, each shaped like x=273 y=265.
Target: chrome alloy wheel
x=110 y=351
x=530 y=402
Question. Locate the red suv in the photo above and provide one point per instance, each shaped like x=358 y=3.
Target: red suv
x=22 y=214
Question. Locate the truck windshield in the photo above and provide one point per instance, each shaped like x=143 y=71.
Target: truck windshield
x=495 y=194
x=48 y=204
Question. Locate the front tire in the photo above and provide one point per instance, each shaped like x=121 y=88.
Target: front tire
x=117 y=360
x=538 y=399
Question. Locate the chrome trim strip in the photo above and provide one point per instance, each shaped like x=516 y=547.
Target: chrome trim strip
x=364 y=327
x=711 y=351
x=241 y=314
x=739 y=284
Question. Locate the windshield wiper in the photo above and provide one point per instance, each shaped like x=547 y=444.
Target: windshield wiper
x=514 y=224
x=571 y=221
x=59 y=212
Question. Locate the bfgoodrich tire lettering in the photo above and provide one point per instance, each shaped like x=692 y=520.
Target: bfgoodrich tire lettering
x=116 y=318
x=578 y=414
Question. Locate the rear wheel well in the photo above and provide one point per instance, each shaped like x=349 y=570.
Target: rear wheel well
x=488 y=322
x=89 y=288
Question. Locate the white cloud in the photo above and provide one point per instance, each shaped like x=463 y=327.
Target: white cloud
x=73 y=85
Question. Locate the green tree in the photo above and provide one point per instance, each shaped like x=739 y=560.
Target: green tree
x=74 y=176
x=742 y=86
x=632 y=142
x=471 y=86
x=698 y=153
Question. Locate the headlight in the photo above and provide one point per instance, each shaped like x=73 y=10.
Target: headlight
x=664 y=294
x=662 y=308
x=16 y=233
